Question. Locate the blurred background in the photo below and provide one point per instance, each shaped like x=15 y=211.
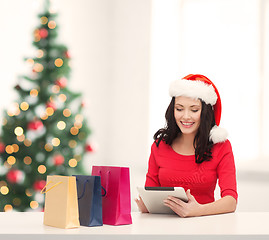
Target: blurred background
x=124 y=55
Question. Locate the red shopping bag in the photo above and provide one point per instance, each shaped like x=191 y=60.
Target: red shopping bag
x=117 y=201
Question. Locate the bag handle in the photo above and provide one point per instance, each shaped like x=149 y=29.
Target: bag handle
x=104 y=191
x=45 y=187
x=107 y=182
x=84 y=188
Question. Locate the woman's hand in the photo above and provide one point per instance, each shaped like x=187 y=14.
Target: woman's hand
x=141 y=205
x=190 y=209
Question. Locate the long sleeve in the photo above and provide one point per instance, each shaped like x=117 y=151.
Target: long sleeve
x=226 y=172
x=152 y=177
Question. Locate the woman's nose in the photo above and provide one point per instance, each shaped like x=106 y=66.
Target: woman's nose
x=186 y=115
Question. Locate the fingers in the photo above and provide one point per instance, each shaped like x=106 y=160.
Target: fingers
x=177 y=205
x=141 y=205
x=173 y=203
x=176 y=200
x=188 y=193
x=178 y=209
x=138 y=201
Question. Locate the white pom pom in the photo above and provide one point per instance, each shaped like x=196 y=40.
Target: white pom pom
x=218 y=134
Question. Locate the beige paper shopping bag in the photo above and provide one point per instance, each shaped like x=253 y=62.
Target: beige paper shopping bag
x=61 y=202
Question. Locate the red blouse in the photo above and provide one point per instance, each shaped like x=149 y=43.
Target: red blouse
x=167 y=168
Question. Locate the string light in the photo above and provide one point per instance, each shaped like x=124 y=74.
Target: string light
x=4 y=190
x=67 y=112
x=73 y=162
x=79 y=118
x=18 y=131
x=61 y=125
x=18 y=112
x=44 y=116
x=30 y=61
x=24 y=106
x=27 y=160
x=11 y=160
x=40 y=53
x=41 y=169
x=48 y=147
x=58 y=62
x=49 y=111
x=10 y=113
x=72 y=143
x=37 y=36
x=43 y=20
x=21 y=138
x=55 y=142
x=52 y=24
x=33 y=93
x=28 y=192
x=15 y=147
x=16 y=201
x=74 y=131
x=9 y=149
x=8 y=208
x=36 y=32
x=78 y=124
x=14 y=110
x=55 y=89
x=38 y=67
x=34 y=204
x=62 y=97
x=27 y=142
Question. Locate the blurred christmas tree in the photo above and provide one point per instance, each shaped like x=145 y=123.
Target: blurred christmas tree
x=44 y=133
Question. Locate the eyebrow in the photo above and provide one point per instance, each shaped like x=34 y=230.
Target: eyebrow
x=190 y=106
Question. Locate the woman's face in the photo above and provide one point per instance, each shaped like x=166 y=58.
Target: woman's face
x=187 y=114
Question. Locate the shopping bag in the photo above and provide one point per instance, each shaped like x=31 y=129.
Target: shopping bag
x=61 y=203
x=89 y=200
x=117 y=201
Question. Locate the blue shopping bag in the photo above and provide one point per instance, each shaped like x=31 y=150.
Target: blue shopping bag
x=89 y=200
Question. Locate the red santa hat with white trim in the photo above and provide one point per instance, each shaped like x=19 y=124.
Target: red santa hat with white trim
x=197 y=86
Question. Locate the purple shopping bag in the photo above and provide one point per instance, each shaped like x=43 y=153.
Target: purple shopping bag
x=117 y=201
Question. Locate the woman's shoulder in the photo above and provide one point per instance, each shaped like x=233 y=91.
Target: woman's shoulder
x=222 y=147
x=159 y=144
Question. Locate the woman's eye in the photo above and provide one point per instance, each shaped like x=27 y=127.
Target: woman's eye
x=179 y=109
x=194 y=110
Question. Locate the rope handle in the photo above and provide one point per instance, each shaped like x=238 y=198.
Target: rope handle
x=45 y=191
x=82 y=194
x=84 y=187
x=107 y=182
x=104 y=191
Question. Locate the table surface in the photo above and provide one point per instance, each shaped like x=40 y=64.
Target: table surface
x=238 y=225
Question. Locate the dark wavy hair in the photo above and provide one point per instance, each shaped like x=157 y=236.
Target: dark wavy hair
x=201 y=142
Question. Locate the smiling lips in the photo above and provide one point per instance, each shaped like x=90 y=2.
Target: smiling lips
x=187 y=124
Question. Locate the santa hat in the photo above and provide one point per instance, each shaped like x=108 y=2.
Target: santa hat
x=200 y=87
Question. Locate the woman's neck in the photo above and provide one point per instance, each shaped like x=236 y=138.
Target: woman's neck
x=184 y=144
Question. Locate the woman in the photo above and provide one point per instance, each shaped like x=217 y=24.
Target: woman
x=193 y=152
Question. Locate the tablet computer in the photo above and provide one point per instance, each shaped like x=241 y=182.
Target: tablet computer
x=153 y=197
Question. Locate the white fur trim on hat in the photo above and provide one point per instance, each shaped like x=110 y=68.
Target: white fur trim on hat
x=218 y=134
x=194 y=89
